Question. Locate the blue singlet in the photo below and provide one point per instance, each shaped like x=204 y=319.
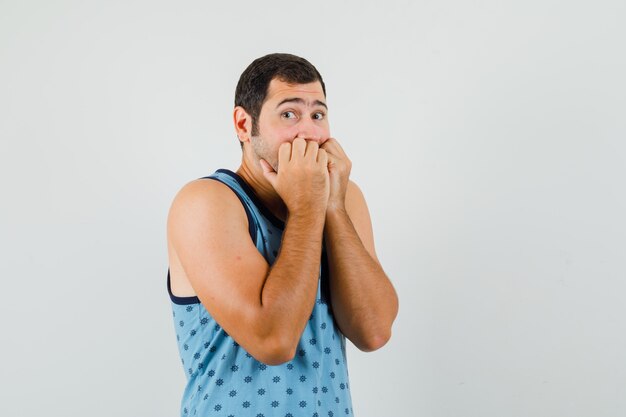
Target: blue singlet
x=225 y=380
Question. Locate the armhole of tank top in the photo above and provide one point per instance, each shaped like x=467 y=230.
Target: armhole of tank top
x=180 y=300
x=253 y=235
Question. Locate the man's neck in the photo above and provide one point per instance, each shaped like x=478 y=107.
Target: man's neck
x=253 y=176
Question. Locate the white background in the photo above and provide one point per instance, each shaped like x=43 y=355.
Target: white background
x=487 y=136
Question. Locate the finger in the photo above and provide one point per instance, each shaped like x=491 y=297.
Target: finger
x=322 y=157
x=267 y=166
x=268 y=171
x=284 y=154
x=327 y=145
x=311 y=149
x=298 y=147
x=333 y=145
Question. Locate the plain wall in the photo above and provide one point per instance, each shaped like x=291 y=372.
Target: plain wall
x=488 y=138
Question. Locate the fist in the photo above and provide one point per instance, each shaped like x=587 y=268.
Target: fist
x=339 y=167
x=302 y=181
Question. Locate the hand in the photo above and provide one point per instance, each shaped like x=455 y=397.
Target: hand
x=339 y=167
x=302 y=181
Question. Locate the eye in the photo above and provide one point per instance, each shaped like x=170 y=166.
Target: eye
x=318 y=115
x=288 y=115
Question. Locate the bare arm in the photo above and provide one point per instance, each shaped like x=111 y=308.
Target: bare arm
x=364 y=301
x=288 y=295
x=264 y=309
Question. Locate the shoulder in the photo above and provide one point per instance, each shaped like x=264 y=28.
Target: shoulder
x=355 y=200
x=204 y=191
x=203 y=199
x=353 y=187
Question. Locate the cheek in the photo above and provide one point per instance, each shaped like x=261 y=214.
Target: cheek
x=323 y=129
x=286 y=136
x=281 y=133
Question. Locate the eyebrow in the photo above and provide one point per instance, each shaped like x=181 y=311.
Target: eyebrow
x=301 y=101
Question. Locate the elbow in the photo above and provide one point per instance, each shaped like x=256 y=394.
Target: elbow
x=374 y=342
x=277 y=357
x=271 y=342
x=374 y=336
x=377 y=335
x=274 y=351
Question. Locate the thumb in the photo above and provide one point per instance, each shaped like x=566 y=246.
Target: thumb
x=268 y=172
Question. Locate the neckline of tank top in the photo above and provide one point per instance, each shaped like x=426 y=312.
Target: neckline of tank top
x=255 y=198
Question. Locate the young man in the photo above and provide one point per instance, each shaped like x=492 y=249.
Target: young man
x=273 y=266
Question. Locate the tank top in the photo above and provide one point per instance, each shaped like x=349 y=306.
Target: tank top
x=225 y=380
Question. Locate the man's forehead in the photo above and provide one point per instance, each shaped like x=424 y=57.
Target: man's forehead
x=279 y=89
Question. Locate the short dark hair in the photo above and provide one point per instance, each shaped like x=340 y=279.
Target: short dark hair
x=254 y=82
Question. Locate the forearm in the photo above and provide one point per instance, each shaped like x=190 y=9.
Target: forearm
x=363 y=299
x=288 y=294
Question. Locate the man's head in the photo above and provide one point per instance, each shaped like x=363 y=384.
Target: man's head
x=254 y=83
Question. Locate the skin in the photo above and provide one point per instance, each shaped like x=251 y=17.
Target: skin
x=301 y=175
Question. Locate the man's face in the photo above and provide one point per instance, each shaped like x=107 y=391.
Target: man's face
x=290 y=111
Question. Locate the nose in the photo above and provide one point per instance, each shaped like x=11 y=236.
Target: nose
x=307 y=129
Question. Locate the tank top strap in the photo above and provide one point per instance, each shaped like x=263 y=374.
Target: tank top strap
x=236 y=184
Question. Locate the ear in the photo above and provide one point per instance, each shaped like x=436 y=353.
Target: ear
x=243 y=124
